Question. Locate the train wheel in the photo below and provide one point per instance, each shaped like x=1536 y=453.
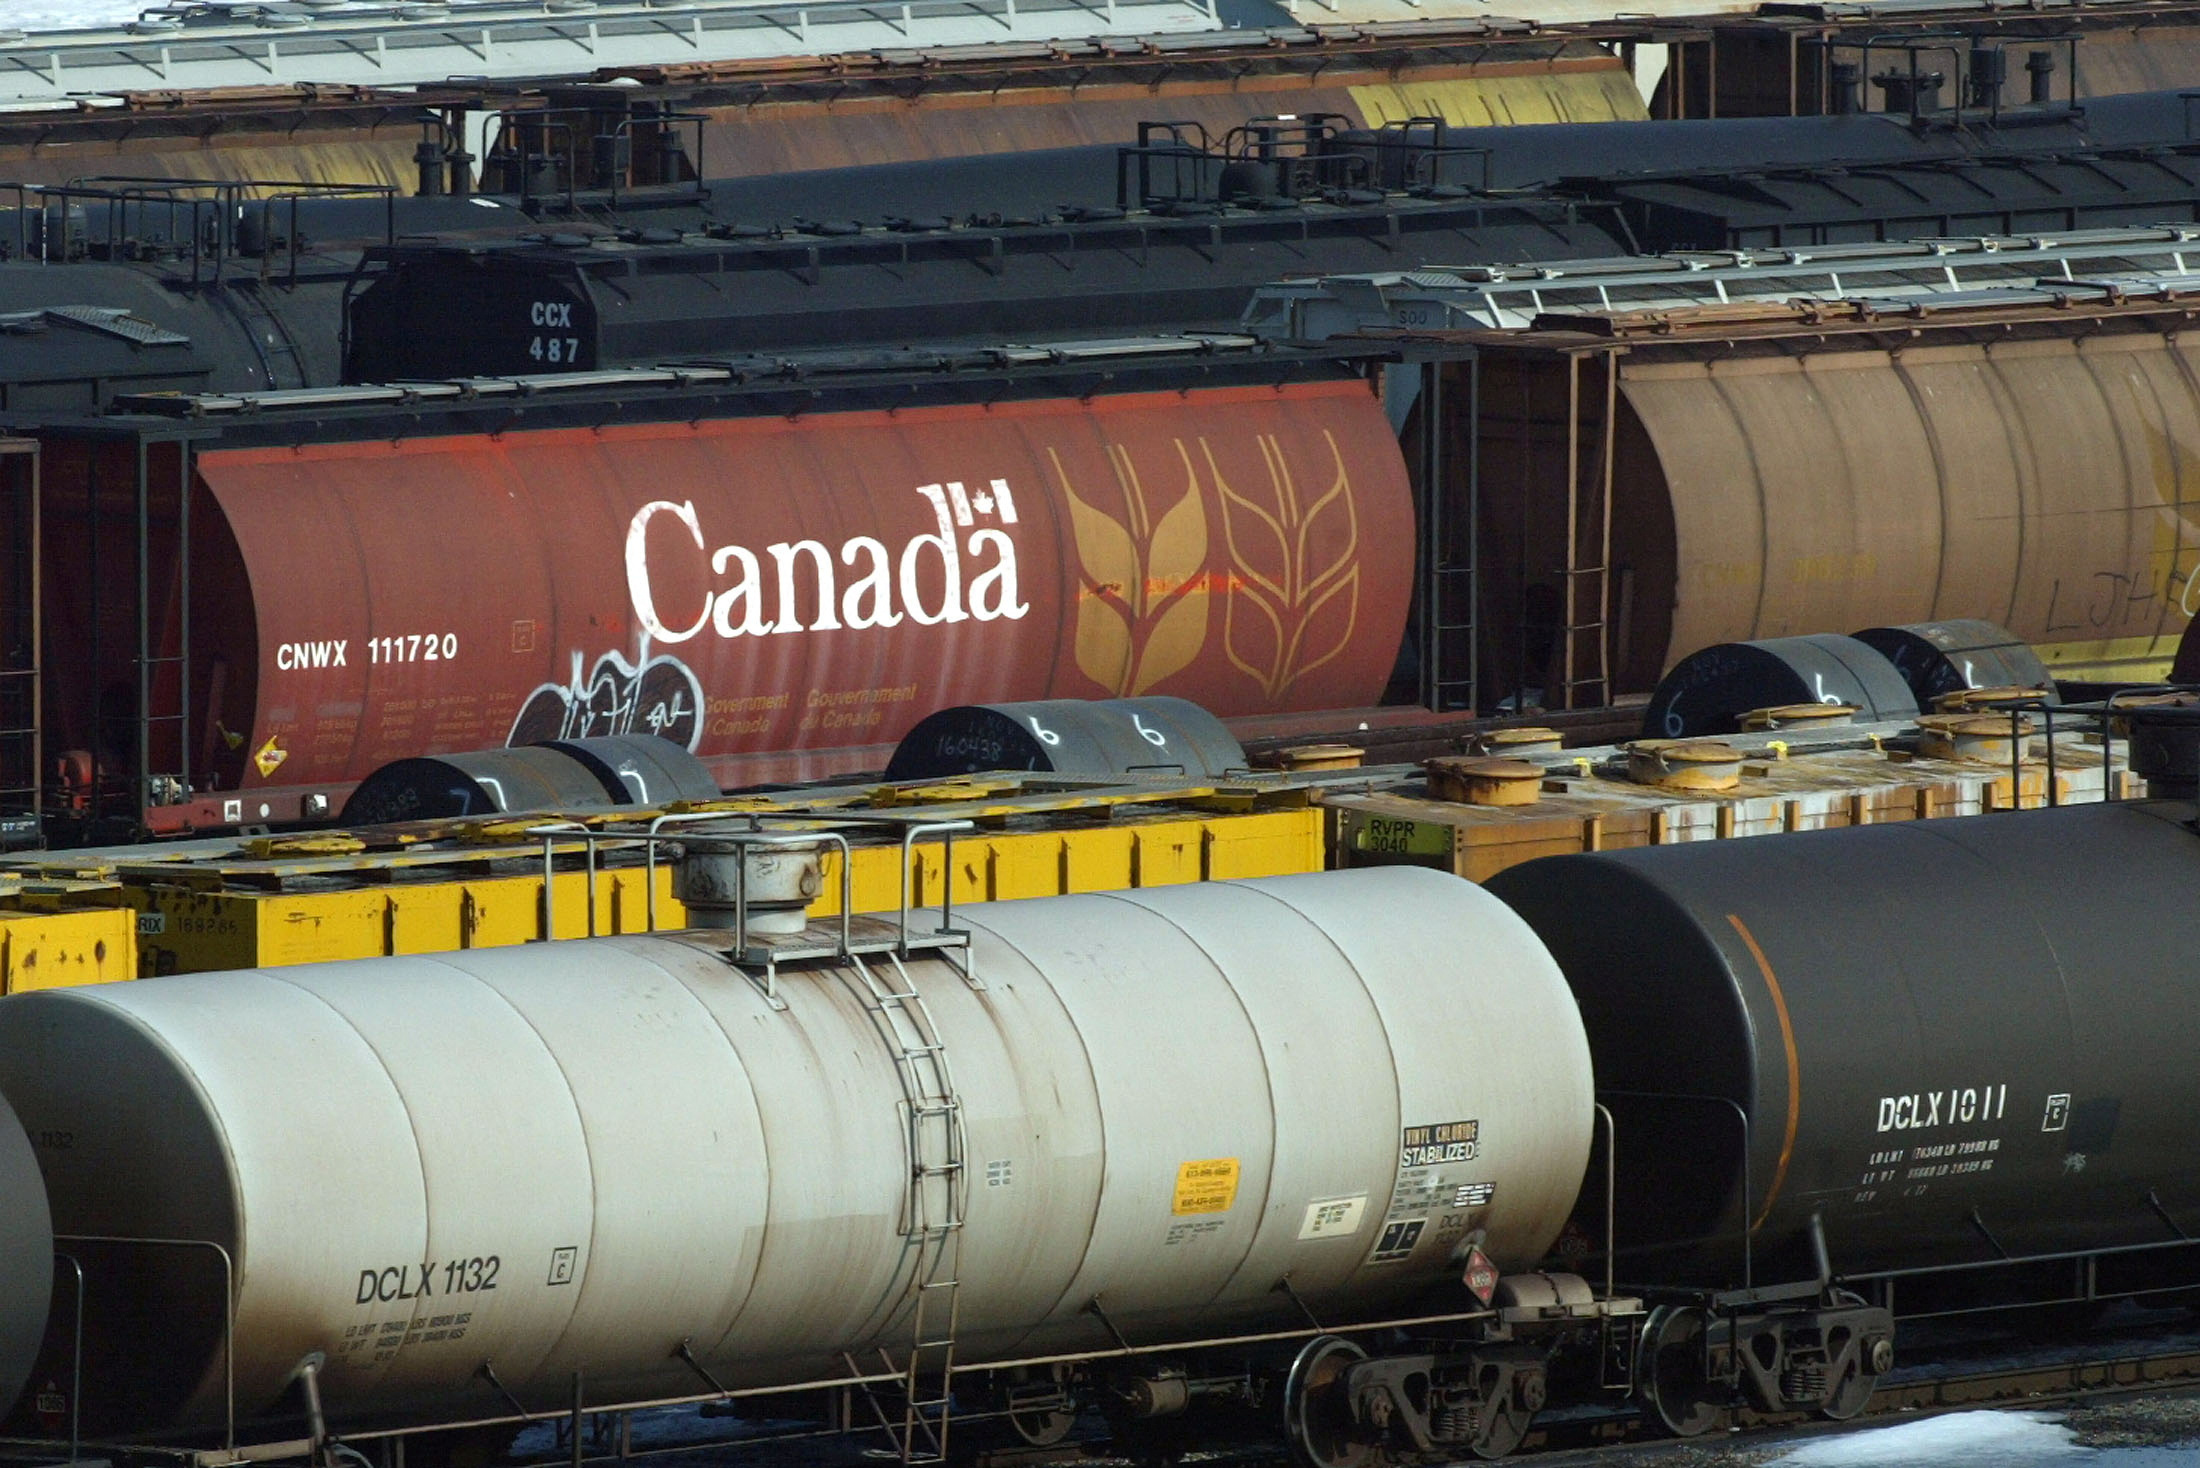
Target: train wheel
x=1669 y=1370
x=1046 y=1414
x=1317 y=1415
x=1042 y=1429
x=1502 y=1431
x=1873 y=1360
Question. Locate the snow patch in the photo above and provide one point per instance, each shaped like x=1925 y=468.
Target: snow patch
x=1957 y=1440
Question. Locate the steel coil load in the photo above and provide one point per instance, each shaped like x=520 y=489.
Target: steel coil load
x=1710 y=691
x=1116 y=736
x=476 y=782
x=1945 y=657
x=640 y=769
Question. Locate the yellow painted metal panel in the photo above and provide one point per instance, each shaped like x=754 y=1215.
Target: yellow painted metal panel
x=1504 y=101
x=1277 y=844
x=1025 y=866
x=1100 y=861
x=321 y=926
x=59 y=949
x=184 y=931
x=1169 y=852
x=178 y=923
x=427 y=919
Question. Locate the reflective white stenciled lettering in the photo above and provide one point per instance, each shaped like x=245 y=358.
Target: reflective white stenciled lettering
x=291 y=656
x=959 y=571
x=1955 y=1106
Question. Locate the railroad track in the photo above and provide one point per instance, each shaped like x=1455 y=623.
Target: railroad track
x=1596 y=1439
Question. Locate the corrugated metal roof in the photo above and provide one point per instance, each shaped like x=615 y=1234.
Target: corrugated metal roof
x=197 y=44
x=2137 y=261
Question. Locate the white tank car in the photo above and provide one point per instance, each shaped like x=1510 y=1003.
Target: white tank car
x=577 y=1157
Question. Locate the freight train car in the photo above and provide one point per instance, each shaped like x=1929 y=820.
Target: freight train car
x=1187 y=264
x=615 y=1243
x=1650 y=482
x=1796 y=1147
x=237 y=287
x=1605 y=547
x=775 y=569
x=1923 y=1063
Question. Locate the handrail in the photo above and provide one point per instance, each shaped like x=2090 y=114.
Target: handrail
x=229 y=1313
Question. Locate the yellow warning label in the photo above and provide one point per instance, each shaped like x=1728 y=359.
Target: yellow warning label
x=1209 y=1186
x=270 y=757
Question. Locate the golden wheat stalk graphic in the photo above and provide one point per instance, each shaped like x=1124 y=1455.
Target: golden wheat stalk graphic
x=1296 y=600
x=1142 y=589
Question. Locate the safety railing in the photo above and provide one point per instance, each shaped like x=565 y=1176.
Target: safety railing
x=212 y=224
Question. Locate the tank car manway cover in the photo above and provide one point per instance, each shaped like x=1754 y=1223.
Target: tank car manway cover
x=762 y=585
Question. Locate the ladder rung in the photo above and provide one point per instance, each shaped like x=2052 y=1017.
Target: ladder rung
x=940 y=1284
x=911 y=1052
x=936 y=1108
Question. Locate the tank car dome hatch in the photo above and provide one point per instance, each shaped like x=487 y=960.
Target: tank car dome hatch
x=1945 y=657
x=26 y=1258
x=1708 y=692
x=640 y=769
x=335 y=1126
x=478 y=782
x=1069 y=736
x=1928 y=1034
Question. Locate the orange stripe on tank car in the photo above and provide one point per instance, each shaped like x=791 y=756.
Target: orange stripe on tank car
x=1795 y=1070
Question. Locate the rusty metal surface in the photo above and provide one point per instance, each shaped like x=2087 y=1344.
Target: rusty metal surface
x=2039 y=484
x=352 y=156
x=1249 y=548
x=797 y=136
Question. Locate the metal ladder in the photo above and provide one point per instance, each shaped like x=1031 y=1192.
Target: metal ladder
x=932 y=1209
x=22 y=734
x=271 y=340
x=1586 y=642
x=1449 y=567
